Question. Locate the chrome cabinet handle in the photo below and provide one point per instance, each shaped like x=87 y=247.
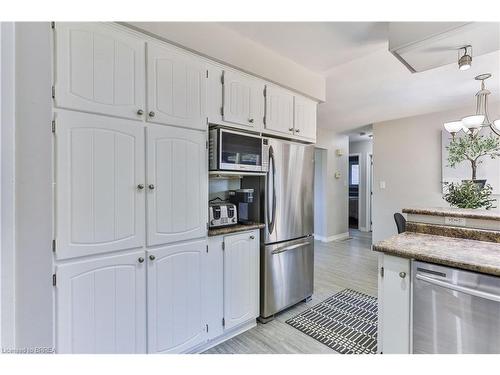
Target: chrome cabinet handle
x=252 y=237
x=290 y=129
x=250 y=120
x=151 y=187
x=140 y=260
x=152 y=257
x=151 y=114
x=402 y=275
x=140 y=186
x=297 y=130
x=140 y=112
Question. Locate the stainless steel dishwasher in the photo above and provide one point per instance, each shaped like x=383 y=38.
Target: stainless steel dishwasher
x=455 y=311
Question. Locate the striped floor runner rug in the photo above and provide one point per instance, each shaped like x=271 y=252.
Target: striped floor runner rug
x=345 y=322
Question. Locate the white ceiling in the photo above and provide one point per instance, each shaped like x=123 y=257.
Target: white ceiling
x=365 y=82
x=318 y=46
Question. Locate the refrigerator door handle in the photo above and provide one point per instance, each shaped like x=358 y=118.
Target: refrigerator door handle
x=272 y=170
x=286 y=248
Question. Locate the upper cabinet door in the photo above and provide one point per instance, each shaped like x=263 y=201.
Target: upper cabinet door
x=305 y=118
x=176 y=87
x=241 y=281
x=101 y=305
x=176 y=297
x=177 y=184
x=243 y=100
x=99 y=167
x=279 y=110
x=100 y=69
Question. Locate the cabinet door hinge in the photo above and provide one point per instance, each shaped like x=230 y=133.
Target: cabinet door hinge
x=54 y=246
x=264 y=120
x=54 y=279
x=381 y=271
x=52 y=25
x=265 y=91
x=206 y=326
x=207 y=248
x=223 y=246
x=223 y=322
x=222 y=78
x=222 y=111
x=53 y=126
x=207 y=73
x=53 y=92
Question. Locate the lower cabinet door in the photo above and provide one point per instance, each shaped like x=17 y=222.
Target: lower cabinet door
x=241 y=282
x=101 y=305
x=176 y=297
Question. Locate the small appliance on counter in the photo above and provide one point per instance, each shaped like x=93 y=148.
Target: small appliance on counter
x=243 y=199
x=222 y=214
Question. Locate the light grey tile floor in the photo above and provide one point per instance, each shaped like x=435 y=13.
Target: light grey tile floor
x=338 y=265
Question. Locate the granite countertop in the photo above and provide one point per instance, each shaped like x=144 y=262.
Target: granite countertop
x=234 y=229
x=455 y=212
x=473 y=255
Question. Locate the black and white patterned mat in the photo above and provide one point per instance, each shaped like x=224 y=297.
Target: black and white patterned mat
x=345 y=322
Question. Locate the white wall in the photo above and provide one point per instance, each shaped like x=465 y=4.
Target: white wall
x=226 y=46
x=363 y=148
x=407 y=156
x=34 y=200
x=7 y=253
x=335 y=195
x=320 y=209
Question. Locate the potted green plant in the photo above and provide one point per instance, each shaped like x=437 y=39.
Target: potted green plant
x=473 y=149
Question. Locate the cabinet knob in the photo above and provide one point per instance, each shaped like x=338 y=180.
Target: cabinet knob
x=402 y=275
x=152 y=257
x=151 y=114
x=140 y=186
x=252 y=237
x=151 y=187
x=140 y=260
x=297 y=130
x=290 y=129
x=140 y=112
x=250 y=120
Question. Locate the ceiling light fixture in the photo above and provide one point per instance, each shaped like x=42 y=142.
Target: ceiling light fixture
x=473 y=124
x=465 y=61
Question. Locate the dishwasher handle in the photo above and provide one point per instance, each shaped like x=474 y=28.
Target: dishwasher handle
x=458 y=288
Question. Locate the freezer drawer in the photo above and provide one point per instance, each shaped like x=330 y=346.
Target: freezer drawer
x=287 y=274
x=455 y=311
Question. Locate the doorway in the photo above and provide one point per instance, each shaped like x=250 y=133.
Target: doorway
x=354 y=201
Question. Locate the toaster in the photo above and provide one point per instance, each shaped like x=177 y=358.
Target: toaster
x=222 y=214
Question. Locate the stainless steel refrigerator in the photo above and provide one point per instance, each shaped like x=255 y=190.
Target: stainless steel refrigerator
x=286 y=200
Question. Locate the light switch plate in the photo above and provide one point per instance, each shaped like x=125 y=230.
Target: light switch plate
x=456 y=221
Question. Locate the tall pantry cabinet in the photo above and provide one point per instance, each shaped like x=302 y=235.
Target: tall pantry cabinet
x=131 y=186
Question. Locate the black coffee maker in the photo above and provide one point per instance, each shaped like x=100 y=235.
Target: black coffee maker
x=243 y=199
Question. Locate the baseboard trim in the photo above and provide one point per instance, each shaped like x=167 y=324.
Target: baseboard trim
x=336 y=237
x=226 y=336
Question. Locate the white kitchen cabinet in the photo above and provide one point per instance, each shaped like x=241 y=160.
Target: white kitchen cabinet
x=177 y=184
x=176 y=87
x=99 y=175
x=279 y=110
x=176 y=297
x=241 y=278
x=394 y=306
x=101 y=305
x=99 y=68
x=305 y=118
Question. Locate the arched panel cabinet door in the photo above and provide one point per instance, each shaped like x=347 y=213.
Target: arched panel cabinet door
x=177 y=184
x=177 y=85
x=100 y=68
x=101 y=305
x=99 y=175
x=176 y=297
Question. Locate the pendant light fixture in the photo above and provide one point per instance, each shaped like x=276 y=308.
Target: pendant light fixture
x=465 y=61
x=472 y=124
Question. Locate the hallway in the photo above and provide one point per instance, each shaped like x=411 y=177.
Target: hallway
x=338 y=265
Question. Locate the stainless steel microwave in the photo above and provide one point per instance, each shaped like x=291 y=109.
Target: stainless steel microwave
x=234 y=151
